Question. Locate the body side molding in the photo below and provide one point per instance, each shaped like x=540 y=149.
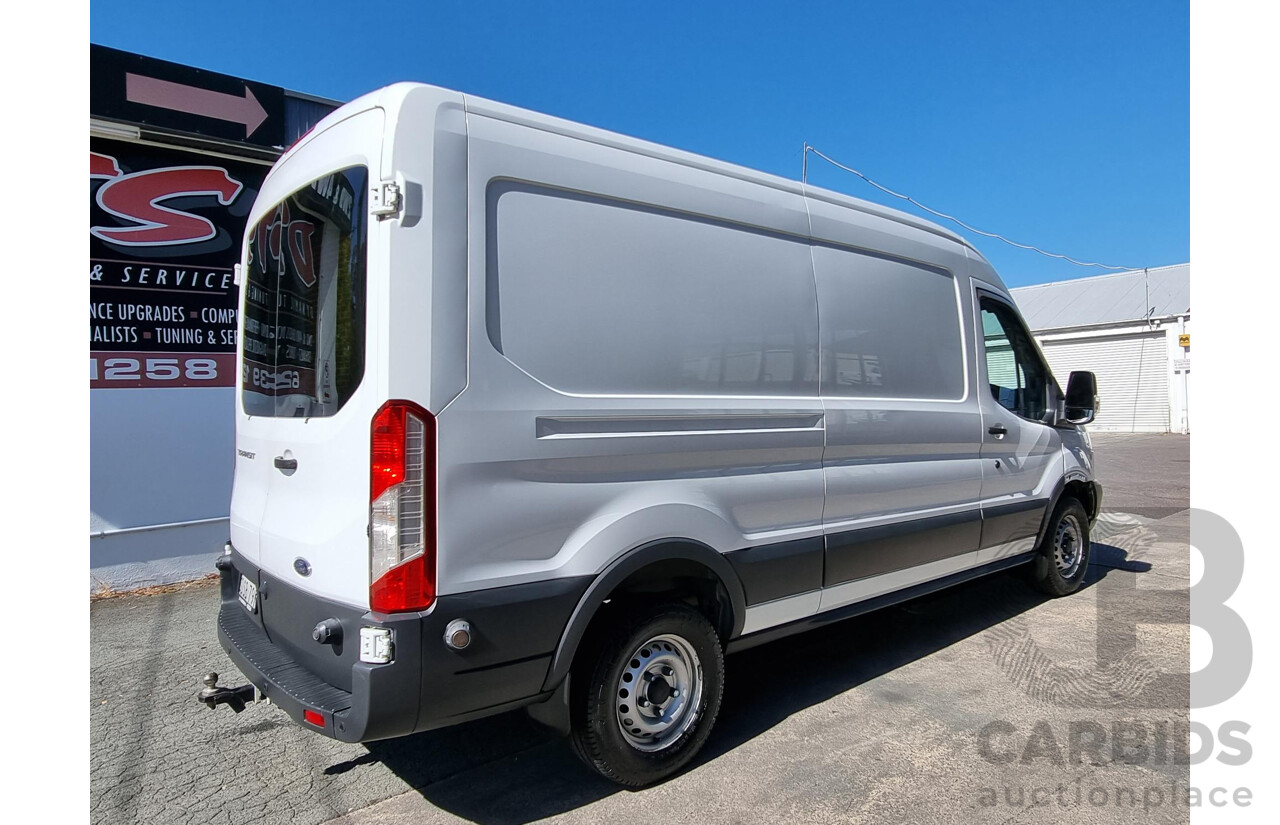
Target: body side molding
x=857 y=608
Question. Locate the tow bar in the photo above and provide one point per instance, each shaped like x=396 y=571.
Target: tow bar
x=212 y=695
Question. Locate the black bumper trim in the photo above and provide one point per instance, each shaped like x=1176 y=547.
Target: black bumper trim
x=276 y=673
x=428 y=685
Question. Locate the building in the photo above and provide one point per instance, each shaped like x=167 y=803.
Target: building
x=176 y=156
x=1133 y=329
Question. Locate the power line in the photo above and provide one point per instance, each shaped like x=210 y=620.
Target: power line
x=805 y=178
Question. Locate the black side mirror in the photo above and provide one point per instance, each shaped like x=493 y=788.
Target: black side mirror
x=1081 y=403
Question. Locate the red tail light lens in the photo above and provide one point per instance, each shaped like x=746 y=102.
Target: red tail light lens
x=408 y=586
x=402 y=516
x=387 y=453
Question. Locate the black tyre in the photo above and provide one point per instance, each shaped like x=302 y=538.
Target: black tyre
x=1063 y=556
x=644 y=696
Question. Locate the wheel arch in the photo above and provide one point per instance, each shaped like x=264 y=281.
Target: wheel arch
x=659 y=558
x=1074 y=484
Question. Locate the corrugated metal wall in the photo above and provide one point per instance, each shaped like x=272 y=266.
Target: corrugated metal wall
x=1133 y=380
x=1002 y=368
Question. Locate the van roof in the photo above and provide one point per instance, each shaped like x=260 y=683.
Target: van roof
x=571 y=128
x=394 y=96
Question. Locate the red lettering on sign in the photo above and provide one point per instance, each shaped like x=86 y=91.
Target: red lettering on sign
x=103 y=166
x=138 y=197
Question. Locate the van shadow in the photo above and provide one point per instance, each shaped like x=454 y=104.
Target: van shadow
x=516 y=771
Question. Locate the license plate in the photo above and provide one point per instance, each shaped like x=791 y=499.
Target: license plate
x=248 y=594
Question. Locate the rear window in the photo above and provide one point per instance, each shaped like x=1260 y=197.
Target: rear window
x=304 y=318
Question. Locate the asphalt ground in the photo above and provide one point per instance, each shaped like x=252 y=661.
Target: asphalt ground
x=984 y=703
x=1145 y=474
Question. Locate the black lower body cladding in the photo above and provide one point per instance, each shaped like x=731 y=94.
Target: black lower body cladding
x=427 y=685
x=776 y=571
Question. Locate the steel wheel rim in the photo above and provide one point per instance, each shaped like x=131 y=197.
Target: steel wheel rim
x=659 y=693
x=1068 y=547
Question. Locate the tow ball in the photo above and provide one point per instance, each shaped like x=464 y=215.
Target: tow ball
x=235 y=698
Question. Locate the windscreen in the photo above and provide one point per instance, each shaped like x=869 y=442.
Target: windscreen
x=304 y=316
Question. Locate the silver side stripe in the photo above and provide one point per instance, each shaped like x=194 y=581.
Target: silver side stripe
x=781 y=611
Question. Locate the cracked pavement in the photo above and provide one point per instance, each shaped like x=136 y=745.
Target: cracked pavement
x=894 y=729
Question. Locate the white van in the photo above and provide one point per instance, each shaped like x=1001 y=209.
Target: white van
x=534 y=414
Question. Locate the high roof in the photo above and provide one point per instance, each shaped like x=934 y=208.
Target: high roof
x=1124 y=296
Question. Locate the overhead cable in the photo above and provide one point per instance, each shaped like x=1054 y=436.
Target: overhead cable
x=952 y=218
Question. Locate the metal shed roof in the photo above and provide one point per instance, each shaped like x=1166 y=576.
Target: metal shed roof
x=1104 y=299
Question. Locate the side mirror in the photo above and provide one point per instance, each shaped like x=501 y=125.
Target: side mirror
x=1081 y=403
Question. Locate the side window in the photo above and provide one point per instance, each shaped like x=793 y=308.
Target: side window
x=1018 y=378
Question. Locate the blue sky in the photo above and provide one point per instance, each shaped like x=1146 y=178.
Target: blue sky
x=1063 y=125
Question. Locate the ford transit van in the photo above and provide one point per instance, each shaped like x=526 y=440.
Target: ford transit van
x=534 y=414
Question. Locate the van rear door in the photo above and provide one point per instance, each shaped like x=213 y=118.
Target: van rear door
x=309 y=377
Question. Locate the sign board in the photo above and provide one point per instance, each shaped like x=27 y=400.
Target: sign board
x=164 y=236
x=1181 y=364
x=142 y=90
x=1184 y=340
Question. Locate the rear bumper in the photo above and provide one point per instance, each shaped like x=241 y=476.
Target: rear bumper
x=377 y=701
x=427 y=685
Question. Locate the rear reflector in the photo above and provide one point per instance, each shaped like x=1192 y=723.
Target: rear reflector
x=314 y=717
x=402 y=510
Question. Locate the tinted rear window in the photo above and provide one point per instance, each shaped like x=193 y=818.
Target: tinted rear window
x=304 y=319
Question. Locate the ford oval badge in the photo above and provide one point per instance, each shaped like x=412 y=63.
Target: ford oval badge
x=302 y=566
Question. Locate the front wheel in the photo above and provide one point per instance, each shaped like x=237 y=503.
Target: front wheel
x=645 y=697
x=1063 y=558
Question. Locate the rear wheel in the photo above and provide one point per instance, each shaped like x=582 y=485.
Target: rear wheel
x=1063 y=557
x=645 y=696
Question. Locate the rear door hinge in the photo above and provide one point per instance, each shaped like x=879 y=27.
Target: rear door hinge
x=387 y=200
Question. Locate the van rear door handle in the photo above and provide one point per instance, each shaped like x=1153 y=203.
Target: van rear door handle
x=998 y=430
x=287 y=464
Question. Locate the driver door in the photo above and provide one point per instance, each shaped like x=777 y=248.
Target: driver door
x=1021 y=450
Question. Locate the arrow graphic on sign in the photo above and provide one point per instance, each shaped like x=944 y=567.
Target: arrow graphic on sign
x=192 y=100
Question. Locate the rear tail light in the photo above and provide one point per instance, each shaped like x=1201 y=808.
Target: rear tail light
x=402 y=492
